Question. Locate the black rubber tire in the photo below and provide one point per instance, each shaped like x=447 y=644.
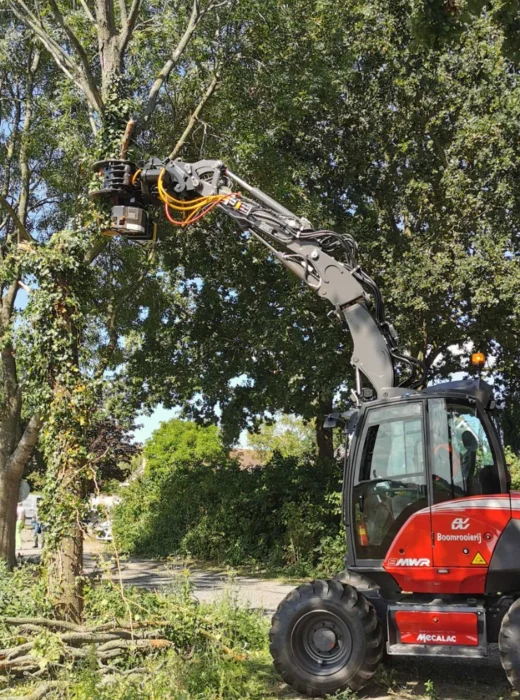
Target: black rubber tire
x=355 y=628
x=509 y=644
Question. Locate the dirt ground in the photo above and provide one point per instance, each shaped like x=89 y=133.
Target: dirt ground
x=446 y=679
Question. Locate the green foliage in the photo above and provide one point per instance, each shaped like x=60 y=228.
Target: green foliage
x=209 y=676
x=430 y=691
x=289 y=435
x=210 y=508
x=513 y=464
x=220 y=649
x=182 y=443
x=395 y=121
x=22 y=592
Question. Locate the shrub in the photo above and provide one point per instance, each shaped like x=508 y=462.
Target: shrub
x=513 y=464
x=22 y=592
x=204 y=505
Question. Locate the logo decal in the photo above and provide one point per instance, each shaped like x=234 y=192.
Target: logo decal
x=408 y=562
x=459 y=538
x=460 y=524
x=441 y=638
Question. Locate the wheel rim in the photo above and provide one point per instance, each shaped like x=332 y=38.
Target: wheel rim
x=321 y=642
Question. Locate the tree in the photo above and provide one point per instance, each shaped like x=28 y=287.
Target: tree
x=113 y=449
x=178 y=442
x=408 y=141
x=24 y=153
x=288 y=435
x=107 y=61
x=192 y=498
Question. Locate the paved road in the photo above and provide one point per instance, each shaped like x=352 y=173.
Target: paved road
x=149 y=573
x=208 y=585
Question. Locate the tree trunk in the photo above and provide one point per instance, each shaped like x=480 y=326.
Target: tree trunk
x=324 y=437
x=15 y=449
x=64 y=583
x=64 y=551
x=12 y=464
x=65 y=448
x=9 y=486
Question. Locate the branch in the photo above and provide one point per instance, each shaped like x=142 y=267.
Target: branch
x=24 y=152
x=129 y=26
x=84 y=68
x=35 y=25
x=25 y=288
x=105 y=20
x=87 y=11
x=62 y=59
x=123 y=12
x=8 y=302
x=126 y=139
x=26 y=443
x=97 y=248
x=191 y=123
x=41 y=691
x=164 y=74
x=23 y=234
x=43 y=622
x=8 y=158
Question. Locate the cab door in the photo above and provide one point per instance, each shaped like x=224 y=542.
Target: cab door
x=390 y=477
x=470 y=507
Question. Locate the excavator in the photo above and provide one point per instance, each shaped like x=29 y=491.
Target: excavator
x=432 y=526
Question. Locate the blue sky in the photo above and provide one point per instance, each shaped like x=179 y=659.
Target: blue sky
x=151 y=423
x=161 y=414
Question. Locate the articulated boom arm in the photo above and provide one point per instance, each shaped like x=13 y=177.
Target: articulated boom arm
x=324 y=260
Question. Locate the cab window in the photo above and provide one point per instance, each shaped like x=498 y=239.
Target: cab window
x=463 y=463
x=390 y=477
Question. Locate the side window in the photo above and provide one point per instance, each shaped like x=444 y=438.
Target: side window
x=393 y=444
x=463 y=463
x=390 y=478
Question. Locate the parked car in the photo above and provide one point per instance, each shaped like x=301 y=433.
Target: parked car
x=103 y=531
x=30 y=506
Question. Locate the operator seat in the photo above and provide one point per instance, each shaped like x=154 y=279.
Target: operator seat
x=489 y=479
x=468 y=465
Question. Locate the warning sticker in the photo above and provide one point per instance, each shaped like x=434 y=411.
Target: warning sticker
x=479 y=560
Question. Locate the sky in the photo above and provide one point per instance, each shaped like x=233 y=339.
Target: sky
x=161 y=414
x=151 y=423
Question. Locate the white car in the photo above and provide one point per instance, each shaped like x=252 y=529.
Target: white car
x=103 y=531
x=30 y=505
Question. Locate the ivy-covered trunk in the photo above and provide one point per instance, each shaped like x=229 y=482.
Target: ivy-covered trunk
x=65 y=485
x=59 y=309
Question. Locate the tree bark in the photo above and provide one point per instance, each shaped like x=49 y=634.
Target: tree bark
x=9 y=485
x=65 y=559
x=65 y=566
x=324 y=438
